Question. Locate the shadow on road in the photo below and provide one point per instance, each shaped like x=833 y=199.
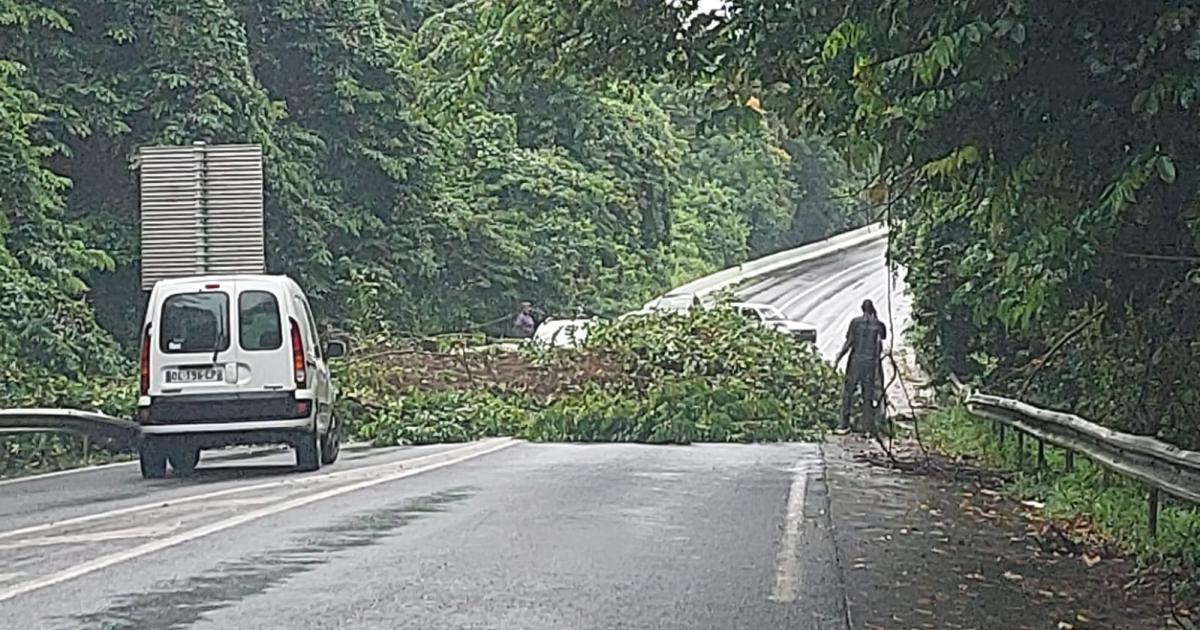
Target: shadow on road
x=181 y=603
x=210 y=474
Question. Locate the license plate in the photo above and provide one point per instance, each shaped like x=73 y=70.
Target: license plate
x=195 y=375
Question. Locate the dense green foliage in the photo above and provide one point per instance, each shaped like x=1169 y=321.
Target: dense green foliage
x=711 y=376
x=1038 y=160
x=721 y=347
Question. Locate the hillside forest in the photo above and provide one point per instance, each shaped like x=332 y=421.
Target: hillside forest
x=409 y=190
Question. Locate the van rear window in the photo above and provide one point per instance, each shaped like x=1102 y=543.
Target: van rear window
x=259 y=327
x=195 y=322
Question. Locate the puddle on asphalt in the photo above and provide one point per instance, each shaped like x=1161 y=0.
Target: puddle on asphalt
x=181 y=603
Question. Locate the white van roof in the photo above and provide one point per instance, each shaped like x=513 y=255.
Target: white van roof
x=193 y=280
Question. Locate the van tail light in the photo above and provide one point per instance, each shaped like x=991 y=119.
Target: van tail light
x=144 y=365
x=299 y=372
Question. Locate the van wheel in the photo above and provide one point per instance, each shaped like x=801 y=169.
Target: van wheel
x=331 y=447
x=308 y=452
x=183 y=459
x=153 y=459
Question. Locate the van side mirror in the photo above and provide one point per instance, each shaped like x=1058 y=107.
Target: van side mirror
x=335 y=349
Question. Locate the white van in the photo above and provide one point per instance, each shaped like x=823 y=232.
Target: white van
x=233 y=360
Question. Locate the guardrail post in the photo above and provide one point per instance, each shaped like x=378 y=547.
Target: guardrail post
x=1153 y=512
x=1070 y=464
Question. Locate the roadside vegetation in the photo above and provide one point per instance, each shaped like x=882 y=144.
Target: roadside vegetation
x=1101 y=512
x=1036 y=160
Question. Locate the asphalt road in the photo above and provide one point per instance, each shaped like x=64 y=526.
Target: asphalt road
x=828 y=292
x=494 y=535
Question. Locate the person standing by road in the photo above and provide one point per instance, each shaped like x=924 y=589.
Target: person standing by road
x=864 y=343
x=523 y=324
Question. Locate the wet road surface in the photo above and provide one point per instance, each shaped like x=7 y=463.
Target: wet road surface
x=828 y=292
x=509 y=535
x=524 y=536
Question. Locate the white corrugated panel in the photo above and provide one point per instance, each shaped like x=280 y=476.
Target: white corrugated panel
x=235 y=209
x=172 y=200
x=202 y=211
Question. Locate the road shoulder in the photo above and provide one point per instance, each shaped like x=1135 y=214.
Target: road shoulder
x=932 y=547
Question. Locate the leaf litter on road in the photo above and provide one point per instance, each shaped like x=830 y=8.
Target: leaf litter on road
x=1028 y=552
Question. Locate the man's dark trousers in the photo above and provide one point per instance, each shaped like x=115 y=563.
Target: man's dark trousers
x=860 y=374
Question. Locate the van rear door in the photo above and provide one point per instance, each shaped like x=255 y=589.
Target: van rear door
x=264 y=342
x=193 y=348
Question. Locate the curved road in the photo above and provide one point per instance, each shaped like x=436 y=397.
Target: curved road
x=508 y=535
x=828 y=293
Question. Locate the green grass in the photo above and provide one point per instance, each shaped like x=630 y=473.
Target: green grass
x=1116 y=506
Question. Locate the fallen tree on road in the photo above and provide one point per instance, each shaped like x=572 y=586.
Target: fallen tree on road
x=701 y=377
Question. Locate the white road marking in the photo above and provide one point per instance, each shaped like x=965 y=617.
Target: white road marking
x=787 y=563
x=215 y=456
x=827 y=282
x=188 y=536
x=63 y=473
x=237 y=503
x=91 y=537
x=8 y=577
x=291 y=480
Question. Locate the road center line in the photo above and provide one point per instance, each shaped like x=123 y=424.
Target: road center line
x=104 y=562
x=8 y=577
x=787 y=564
x=93 y=537
x=826 y=282
x=290 y=480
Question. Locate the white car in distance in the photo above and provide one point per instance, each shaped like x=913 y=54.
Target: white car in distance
x=669 y=303
x=562 y=333
x=679 y=302
x=771 y=317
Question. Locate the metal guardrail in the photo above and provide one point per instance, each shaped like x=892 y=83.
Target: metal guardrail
x=114 y=433
x=1164 y=468
x=753 y=269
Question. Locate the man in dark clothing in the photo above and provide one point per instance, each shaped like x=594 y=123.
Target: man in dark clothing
x=864 y=342
x=523 y=324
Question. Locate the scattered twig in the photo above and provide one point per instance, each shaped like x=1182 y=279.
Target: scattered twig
x=1156 y=257
x=466 y=364
x=908 y=399
x=396 y=352
x=1183 y=622
x=1058 y=345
